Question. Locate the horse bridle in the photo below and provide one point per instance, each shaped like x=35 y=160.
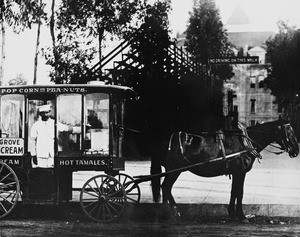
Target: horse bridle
x=286 y=143
x=283 y=149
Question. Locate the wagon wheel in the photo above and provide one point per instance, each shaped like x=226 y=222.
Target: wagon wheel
x=103 y=198
x=9 y=189
x=132 y=189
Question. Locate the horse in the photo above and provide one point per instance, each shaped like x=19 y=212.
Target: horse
x=226 y=152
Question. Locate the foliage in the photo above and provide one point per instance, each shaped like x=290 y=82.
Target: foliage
x=206 y=37
x=21 y=14
x=152 y=39
x=81 y=26
x=283 y=52
x=18 y=80
x=93 y=16
x=75 y=56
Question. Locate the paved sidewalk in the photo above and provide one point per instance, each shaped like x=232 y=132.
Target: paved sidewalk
x=271 y=188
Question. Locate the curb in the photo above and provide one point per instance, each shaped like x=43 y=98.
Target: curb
x=150 y=211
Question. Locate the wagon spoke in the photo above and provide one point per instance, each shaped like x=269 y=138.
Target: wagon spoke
x=2 y=166
x=112 y=207
x=5 y=177
x=3 y=208
x=132 y=199
x=89 y=204
x=10 y=184
x=108 y=211
x=7 y=200
x=117 y=203
x=99 y=210
x=98 y=188
x=114 y=193
x=91 y=193
x=96 y=204
x=92 y=188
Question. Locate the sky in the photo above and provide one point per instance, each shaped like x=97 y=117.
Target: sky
x=263 y=14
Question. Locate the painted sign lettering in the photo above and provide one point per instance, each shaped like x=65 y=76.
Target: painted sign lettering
x=11 y=161
x=82 y=162
x=234 y=60
x=11 y=147
x=42 y=90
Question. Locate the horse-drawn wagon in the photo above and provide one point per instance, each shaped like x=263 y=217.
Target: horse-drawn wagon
x=48 y=132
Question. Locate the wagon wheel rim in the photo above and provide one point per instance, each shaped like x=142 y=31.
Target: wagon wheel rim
x=103 y=198
x=133 y=191
x=9 y=190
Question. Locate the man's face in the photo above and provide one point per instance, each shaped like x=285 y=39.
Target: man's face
x=45 y=115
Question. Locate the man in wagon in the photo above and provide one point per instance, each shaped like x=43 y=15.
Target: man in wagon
x=42 y=138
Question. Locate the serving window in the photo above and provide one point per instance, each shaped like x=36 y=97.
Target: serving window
x=12 y=116
x=96 y=139
x=69 y=116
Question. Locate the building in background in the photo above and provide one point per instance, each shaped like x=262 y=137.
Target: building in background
x=254 y=102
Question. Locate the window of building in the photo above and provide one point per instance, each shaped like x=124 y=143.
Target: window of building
x=261 y=82
x=253 y=105
x=252 y=81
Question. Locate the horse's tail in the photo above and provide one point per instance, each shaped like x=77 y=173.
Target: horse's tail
x=155 y=182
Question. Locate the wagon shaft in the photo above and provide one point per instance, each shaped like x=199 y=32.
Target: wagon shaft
x=145 y=178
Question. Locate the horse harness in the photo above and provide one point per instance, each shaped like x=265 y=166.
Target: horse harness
x=220 y=137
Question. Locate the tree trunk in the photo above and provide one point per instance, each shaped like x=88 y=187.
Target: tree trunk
x=37 y=49
x=52 y=26
x=3 y=43
x=100 y=37
x=2 y=53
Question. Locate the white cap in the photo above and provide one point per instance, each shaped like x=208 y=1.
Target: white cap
x=44 y=108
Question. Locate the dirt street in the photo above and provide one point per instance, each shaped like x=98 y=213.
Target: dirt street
x=65 y=228
x=67 y=221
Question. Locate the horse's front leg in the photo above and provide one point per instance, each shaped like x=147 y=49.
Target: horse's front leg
x=167 y=185
x=235 y=208
x=240 y=194
x=233 y=196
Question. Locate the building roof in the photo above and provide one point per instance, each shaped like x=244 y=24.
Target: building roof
x=238 y=17
x=240 y=39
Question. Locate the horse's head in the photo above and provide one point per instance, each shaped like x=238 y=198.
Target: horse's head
x=287 y=139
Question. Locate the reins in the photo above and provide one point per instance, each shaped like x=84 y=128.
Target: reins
x=245 y=134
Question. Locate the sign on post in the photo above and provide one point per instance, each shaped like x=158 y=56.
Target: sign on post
x=234 y=60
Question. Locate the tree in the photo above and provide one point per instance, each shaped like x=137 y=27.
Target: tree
x=93 y=19
x=283 y=51
x=73 y=59
x=206 y=37
x=40 y=16
x=151 y=82
x=18 y=80
x=18 y=15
